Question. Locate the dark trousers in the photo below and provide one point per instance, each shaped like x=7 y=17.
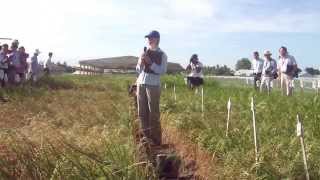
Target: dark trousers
x=148 y=98
x=256 y=78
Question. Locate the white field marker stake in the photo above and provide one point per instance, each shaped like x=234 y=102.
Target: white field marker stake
x=174 y=93
x=300 y=134
x=293 y=84
x=318 y=87
x=165 y=85
x=228 y=118
x=254 y=130
x=314 y=85
x=247 y=81
x=301 y=84
x=202 y=101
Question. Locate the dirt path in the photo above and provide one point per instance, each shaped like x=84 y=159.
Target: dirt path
x=196 y=161
x=179 y=157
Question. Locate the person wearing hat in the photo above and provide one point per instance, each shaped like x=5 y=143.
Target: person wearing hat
x=257 y=63
x=35 y=65
x=288 y=69
x=151 y=65
x=195 y=78
x=269 y=71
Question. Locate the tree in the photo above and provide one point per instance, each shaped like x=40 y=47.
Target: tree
x=218 y=70
x=312 y=71
x=243 y=63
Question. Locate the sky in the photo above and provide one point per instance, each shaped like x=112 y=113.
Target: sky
x=219 y=31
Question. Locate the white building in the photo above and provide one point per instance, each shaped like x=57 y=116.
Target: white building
x=244 y=72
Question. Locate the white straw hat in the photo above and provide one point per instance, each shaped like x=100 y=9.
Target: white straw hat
x=267 y=52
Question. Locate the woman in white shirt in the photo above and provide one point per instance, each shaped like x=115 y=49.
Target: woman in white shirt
x=195 y=78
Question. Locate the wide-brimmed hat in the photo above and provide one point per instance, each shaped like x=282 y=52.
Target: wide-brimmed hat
x=267 y=52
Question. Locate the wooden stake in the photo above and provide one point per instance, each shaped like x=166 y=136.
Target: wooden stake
x=300 y=134
x=174 y=93
x=202 y=101
x=314 y=85
x=228 y=118
x=254 y=130
x=301 y=84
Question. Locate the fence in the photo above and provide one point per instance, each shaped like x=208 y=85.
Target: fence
x=298 y=83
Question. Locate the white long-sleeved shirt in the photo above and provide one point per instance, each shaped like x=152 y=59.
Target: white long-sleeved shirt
x=269 y=66
x=285 y=61
x=257 y=65
x=194 y=72
x=152 y=79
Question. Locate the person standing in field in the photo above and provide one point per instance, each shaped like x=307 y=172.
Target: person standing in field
x=287 y=70
x=14 y=62
x=151 y=65
x=257 y=63
x=48 y=65
x=4 y=64
x=22 y=67
x=195 y=78
x=35 y=66
x=269 y=71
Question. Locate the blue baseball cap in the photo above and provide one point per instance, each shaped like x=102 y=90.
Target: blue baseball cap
x=153 y=34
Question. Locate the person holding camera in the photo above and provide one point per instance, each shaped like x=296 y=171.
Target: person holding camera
x=257 y=63
x=269 y=71
x=195 y=78
x=151 y=65
x=288 y=70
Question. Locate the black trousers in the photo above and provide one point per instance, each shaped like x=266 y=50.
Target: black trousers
x=256 y=77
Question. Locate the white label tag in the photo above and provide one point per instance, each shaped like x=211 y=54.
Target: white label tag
x=229 y=104
x=299 y=129
x=314 y=85
x=252 y=105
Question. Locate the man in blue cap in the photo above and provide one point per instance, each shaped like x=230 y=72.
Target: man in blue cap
x=151 y=65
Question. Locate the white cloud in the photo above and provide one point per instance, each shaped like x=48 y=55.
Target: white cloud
x=75 y=28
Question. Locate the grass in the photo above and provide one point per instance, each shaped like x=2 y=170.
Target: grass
x=69 y=127
x=280 y=152
x=79 y=127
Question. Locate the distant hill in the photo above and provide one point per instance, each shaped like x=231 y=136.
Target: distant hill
x=124 y=63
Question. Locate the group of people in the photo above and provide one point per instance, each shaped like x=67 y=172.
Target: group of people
x=153 y=63
x=268 y=69
x=14 y=67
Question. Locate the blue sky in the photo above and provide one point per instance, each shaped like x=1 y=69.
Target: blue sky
x=220 y=31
